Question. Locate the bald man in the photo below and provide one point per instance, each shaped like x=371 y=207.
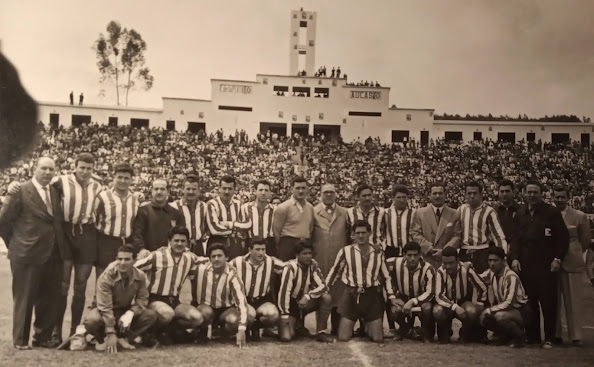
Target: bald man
x=31 y=225
x=154 y=220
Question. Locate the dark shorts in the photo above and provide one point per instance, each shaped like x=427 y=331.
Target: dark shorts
x=173 y=302
x=217 y=312
x=257 y=302
x=370 y=305
x=107 y=249
x=478 y=258
x=286 y=248
x=392 y=251
x=82 y=240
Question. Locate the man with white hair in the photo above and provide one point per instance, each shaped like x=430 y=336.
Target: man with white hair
x=31 y=224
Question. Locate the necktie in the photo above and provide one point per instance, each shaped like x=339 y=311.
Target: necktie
x=438 y=214
x=48 y=200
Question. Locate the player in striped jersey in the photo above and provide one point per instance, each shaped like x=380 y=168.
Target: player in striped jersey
x=480 y=226
x=167 y=269
x=461 y=293
x=509 y=312
x=115 y=211
x=194 y=212
x=362 y=268
x=302 y=291
x=414 y=283
x=256 y=271
x=398 y=223
x=368 y=211
x=219 y=294
x=224 y=219
x=260 y=213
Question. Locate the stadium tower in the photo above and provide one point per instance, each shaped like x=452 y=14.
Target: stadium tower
x=303 y=42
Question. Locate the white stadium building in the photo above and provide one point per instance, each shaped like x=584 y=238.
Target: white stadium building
x=307 y=104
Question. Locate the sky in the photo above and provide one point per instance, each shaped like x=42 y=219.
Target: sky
x=533 y=57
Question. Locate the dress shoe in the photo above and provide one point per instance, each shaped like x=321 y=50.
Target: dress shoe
x=324 y=338
x=390 y=334
x=547 y=345
x=577 y=343
x=49 y=344
x=303 y=333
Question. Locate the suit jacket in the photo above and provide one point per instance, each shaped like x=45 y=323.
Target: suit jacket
x=578 y=227
x=30 y=231
x=425 y=231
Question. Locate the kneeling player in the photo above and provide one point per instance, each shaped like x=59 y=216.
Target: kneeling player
x=122 y=300
x=302 y=291
x=361 y=266
x=256 y=271
x=219 y=295
x=455 y=288
x=414 y=287
x=167 y=269
x=510 y=311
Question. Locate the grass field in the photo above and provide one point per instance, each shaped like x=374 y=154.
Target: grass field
x=300 y=353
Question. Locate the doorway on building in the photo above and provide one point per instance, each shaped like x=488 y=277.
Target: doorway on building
x=424 y=137
x=195 y=127
x=506 y=137
x=331 y=132
x=559 y=138
x=301 y=129
x=278 y=128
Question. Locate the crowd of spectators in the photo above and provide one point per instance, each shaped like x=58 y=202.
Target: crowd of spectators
x=158 y=153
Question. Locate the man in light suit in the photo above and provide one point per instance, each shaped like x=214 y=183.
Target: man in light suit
x=30 y=223
x=436 y=226
x=330 y=234
x=572 y=268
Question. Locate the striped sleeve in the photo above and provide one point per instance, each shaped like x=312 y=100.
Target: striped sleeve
x=479 y=285
x=429 y=280
x=238 y=294
x=242 y=222
x=440 y=291
x=277 y=265
x=145 y=264
x=511 y=289
x=388 y=285
x=99 y=210
x=212 y=218
x=284 y=293
x=496 y=231
x=318 y=282
x=337 y=268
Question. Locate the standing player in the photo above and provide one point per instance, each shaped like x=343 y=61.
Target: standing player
x=362 y=268
x=302 y=291
x=459 y=293
x=218 y=294
x=224 y=218
x=293 y=220
x=256 y=271
x=369 y=212
x=115 y=211
x=480 y=225
x=414 y=282
x=167 y=269
x=194 y=212
x=260 y=214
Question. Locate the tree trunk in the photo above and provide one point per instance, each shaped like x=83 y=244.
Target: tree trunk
x=128 y=87
x=117 y=85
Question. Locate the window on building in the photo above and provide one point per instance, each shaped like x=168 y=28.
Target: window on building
x=530 y=136
x=113 y=121
x=507 y=137
x=400 y=136
x=363 y=113
x=322 y=92
x=477 y=136
x=235 y=108
x=170 y=125
x=301 y=92
x=139 y=123
x=54 y=120
x=280 y=90
x=453 y=136
x=559 y=138
x=78 y=120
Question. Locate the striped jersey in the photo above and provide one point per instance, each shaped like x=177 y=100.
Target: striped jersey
x=299 y=281
x=114 y=214
x=77 y=201
x=465 y=285
x=261 y=222
x=415 y=284
x=218 y=290
x=507 y=290
x=217 y=212
x=480 y=226
x=398 y=226
x=375 y=218
x=195 y=219
x=355 y=272
x=166 y=275
x=256 y=280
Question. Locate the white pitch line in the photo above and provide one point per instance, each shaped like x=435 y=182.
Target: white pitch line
x=358 y=353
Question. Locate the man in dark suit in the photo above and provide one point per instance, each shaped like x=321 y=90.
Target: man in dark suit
x=30 y=223
x=536 y=254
